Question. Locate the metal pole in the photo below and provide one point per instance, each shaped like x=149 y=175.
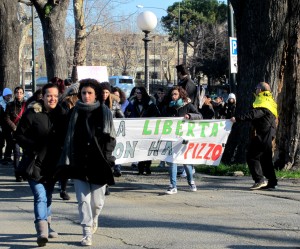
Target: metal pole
x=33 y=50
x=232 y=76
x=178 y=48
x=146 y=40
x=154 y=65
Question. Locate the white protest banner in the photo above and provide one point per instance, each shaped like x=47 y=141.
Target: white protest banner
x=175 y=140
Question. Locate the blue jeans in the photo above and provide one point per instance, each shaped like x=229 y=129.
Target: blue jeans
x=42 y=193
x=173 y=173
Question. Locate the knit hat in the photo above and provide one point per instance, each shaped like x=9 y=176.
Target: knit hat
x=73 y=89
x=6 y=92
x=231 y=96
x=105 y=86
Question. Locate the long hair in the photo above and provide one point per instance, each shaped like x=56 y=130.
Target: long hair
x=182 y=93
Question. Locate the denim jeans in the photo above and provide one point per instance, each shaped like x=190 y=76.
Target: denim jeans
x=173 y=173
x=42 y=193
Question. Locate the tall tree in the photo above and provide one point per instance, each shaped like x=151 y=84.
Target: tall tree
x=185 y=21
x=52 y=14
x=79 y=58
x=10 y=27
x=268 y=36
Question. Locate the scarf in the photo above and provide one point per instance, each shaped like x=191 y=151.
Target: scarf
x=176 y=103
x=265 y=100
x=108 y=128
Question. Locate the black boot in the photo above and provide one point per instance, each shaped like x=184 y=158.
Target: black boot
x=141 y=168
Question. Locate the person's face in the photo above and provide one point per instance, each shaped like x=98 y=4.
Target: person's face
x=117 y=94
x=88 y=95
x=160 y=95
x=175 y=95
x=19 y=95
x=105 y=94
x=138 y=94
x=218 y=100
x=50 y=98
x=7 y=97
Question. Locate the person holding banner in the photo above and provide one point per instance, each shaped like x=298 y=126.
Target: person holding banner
x=141 y=105
x=259 y=156
x=181 y=106
x=87 y=154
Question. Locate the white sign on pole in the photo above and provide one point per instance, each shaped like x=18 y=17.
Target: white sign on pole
x=94 y=72
x=233 y=54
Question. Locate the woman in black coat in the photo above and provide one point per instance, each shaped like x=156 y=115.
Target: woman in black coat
x=142 y=105
x=40 y=133
x=87 y=154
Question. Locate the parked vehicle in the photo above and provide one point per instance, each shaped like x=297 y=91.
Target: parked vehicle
x=126 y=83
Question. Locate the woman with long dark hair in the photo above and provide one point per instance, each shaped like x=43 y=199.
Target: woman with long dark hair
x=141 y=105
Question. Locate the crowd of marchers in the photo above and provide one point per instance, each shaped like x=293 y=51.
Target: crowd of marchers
x=65 y=131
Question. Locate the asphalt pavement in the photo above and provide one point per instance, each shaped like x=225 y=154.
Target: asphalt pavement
x=223 y=213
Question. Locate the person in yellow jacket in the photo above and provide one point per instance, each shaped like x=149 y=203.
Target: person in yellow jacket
x=259 y=155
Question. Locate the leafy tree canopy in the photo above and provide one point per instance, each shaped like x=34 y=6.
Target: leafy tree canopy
x=191 y=13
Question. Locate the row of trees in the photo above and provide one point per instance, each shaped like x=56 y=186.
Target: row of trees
x=268 y=38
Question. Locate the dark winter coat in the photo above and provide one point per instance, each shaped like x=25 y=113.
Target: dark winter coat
x=263 y=122
x=187 y=108
x=190 y=87
x=149 y=109
x=41 y=134
x=228 y=110
x=91 y=148
x=13 y=114
x=207 y=111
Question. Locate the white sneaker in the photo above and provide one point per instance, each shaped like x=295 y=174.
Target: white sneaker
x=171 y=191
x=86 y=240
x=193 y=186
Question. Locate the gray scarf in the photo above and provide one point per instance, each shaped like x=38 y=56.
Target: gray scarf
x=108 y=128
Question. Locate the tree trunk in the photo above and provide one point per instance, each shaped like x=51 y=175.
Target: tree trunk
x=268 y=47
x=52 y=15
x=9 y=44
x=80 y=38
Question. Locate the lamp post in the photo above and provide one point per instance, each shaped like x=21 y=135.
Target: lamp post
x=178 y=36
x=154 y=62
x=146 y=21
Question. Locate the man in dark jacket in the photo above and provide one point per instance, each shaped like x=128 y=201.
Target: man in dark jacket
x=186 y=83
x=259 y=156
x=40 y=133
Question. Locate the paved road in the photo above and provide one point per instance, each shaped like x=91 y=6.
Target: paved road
x=223 y=213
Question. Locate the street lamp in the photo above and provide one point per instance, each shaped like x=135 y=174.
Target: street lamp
x=146 y=21
x=178 y=36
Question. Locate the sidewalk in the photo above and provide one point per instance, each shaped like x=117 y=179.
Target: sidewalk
x=223 y=213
